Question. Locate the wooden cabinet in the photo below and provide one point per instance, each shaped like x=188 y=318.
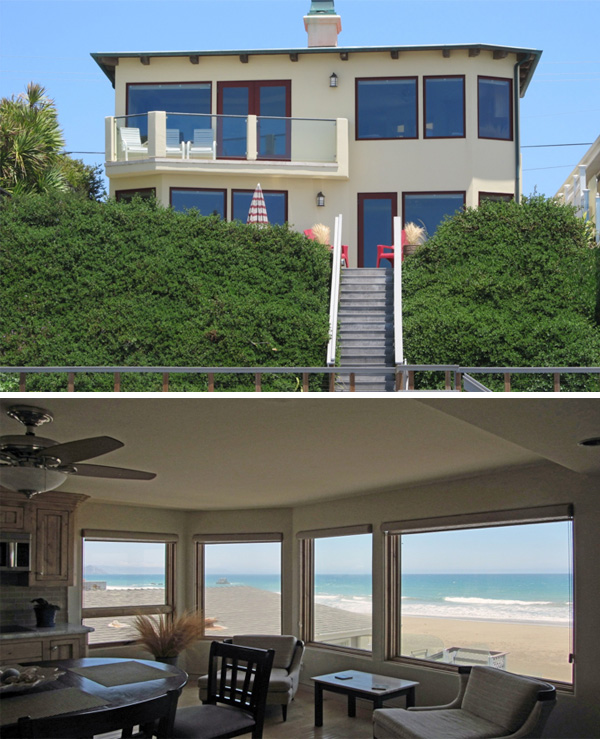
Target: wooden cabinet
x=36 y=649
x=12 y=517
x=49 y=517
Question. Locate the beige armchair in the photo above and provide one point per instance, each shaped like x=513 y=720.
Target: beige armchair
x=490 y=703
x=285 y=674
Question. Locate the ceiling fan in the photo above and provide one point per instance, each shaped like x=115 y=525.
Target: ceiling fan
x=31 y=464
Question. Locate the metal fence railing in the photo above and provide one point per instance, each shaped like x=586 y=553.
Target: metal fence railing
x=452 y=376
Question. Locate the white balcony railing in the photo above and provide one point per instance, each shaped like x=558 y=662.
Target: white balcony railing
x=223 y=139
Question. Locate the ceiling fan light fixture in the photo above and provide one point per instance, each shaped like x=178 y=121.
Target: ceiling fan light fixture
x=31 y=480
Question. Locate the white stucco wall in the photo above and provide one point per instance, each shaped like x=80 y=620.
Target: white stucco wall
x=471 y=164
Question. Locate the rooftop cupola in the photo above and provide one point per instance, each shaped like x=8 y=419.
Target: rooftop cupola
x=322 y=23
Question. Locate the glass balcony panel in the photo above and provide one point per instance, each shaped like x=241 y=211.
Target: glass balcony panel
x=186 y=125
x=302 y=140
x=131 y=137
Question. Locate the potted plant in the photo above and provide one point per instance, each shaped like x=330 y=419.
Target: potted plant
x=45 y=613
x=415 y=237
x=167 y=637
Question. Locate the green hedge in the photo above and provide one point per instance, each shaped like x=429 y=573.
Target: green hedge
x=505 y=285
x=135 y=284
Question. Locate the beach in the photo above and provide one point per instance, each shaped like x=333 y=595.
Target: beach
x=531 y=648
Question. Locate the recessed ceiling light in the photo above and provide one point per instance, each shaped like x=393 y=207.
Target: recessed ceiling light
x=595 y=441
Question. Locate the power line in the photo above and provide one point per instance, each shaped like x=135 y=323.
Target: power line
x=547 y=146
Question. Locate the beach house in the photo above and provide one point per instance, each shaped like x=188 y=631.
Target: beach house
x=276 y=516
x=369 y=132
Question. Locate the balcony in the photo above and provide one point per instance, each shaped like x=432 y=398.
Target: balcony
x=224 y=144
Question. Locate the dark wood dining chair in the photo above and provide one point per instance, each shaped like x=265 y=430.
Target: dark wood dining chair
x=238 y=683
x=159 y=712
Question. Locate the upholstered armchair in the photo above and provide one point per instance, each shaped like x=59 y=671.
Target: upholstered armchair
x=490 y=703
x=285 y=674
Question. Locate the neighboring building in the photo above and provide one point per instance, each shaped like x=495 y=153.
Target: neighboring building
x=582 y=186
x=368 y=132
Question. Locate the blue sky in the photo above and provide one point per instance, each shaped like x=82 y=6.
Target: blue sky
x=50 y=41
x=537 y=548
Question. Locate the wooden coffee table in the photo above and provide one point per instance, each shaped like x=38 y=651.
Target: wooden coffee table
x=355 y=684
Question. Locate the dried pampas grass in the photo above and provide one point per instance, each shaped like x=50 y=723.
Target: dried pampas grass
x=166 y=637
x=414 y=234
x=321 y=233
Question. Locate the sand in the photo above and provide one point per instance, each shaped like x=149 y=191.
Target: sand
x=532 y=649
x=537 y=650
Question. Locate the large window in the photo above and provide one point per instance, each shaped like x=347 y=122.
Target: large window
x=495 y=108
x=494 y=589
x=125 y=574
x=337 y=587
x=207 y=201
x=430 y=208
x=239 y=583
x=386 y=108
x=444 y=102
x=275 y=201
x=175 y=97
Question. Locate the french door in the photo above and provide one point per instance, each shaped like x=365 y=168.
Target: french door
x=270 y=101
x=376 y=212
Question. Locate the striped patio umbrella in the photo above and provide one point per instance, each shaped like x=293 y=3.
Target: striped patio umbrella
x=258 y=209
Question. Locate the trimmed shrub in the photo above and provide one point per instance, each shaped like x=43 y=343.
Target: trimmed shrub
x=505 y=285
x=135 y=284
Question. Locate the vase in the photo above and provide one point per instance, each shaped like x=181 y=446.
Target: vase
x=410 y=249
x=45 y=617
x=168 y=660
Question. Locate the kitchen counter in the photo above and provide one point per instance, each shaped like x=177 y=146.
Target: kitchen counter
x=58 y=630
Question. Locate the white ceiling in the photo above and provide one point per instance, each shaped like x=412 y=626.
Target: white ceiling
x=213 y=453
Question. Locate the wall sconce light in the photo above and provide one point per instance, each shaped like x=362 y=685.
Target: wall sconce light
x=333 y=80
x=320 y=199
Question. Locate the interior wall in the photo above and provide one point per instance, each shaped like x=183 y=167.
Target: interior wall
x=576 y=714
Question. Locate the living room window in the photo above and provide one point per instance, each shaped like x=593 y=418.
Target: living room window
x=207 y=201
x=386 y=108
x=125 y=573
x=238 y=583
x=276 y=202
x=430 y=208
x=495 y=108
x=492 y=589
x=444 y=107
x=337 y=589
x=182 y=98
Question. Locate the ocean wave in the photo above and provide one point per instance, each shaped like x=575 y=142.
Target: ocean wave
x=495 y=601
x=135 y=587
x=558 y=615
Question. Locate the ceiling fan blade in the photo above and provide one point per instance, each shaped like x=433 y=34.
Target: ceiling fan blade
x=118 y=473
x=74 y=451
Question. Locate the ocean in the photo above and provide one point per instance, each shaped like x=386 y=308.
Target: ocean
x=529 y=598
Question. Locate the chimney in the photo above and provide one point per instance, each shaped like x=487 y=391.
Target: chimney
x=322 y=24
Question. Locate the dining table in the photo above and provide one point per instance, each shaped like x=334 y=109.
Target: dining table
x=87 y=687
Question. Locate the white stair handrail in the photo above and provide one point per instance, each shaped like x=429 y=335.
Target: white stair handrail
x=335 y=290
x=398 y=337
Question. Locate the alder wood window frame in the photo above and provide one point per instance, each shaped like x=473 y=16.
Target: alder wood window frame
x=220 y=190
x=168 y=608
x=483 y=78
x=429 y=136
x=392 y=532
x=235 y=190
x=201 y=540
x=306 y=552
x=408 y=78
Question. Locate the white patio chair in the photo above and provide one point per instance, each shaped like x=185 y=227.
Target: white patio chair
x=175 y=147
x=131 y=142
x=203 y=143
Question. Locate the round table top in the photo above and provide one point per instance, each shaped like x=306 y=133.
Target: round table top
x=114 y=696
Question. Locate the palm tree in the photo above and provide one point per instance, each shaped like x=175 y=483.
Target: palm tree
x=30 y=143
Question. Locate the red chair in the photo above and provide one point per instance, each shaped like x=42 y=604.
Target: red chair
x=387 y=252
x=310 y=235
